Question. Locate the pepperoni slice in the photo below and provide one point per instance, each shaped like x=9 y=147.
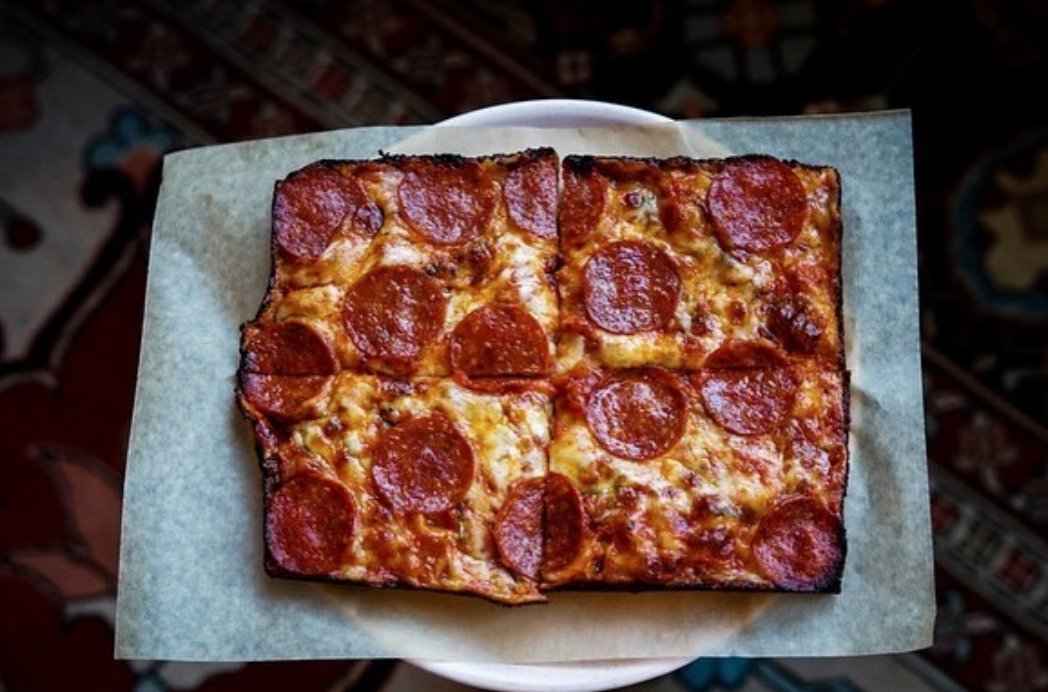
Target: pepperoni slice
x=518 y=527
x=310 y=206
x=285 y=398
x=638 y=414
x=756 y=205
x=798 y=545
x=630 y=287
x=288 y=348
x=422 y=465
x=309 y=524
x=446 y=202
x=393 y=312
x=565 y=523
x=497 y=340
x=740 y=353
x=530 y=193
x=748 y=401
x=582 y=203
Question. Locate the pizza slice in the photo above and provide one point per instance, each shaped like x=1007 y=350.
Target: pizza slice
x=729 y=477
x=666 y=260
x=421 y=265
x=391 y=483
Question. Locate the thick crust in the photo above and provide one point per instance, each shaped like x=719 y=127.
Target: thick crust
x=511 y=602
x=832 y=585
x=629 y=166
x=509 y=160
x=326 y=402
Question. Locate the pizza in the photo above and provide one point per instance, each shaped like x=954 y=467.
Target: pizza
x=496 y=377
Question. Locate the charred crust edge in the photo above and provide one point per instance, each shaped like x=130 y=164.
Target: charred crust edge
x=452 y=160
x=275 y=571
x=615 y=165
x=831 y=584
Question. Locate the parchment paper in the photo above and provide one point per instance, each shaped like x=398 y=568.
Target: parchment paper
x=192 y=585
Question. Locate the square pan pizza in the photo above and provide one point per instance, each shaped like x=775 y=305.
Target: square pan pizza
x=503 y=375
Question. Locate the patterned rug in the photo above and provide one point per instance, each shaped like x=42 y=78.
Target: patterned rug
x=93 y=92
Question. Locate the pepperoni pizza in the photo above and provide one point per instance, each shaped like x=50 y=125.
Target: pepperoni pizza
x=470 y=376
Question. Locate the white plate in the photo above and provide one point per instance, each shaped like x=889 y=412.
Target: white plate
x=556 y=113
x=554 y=677
x=584 y=675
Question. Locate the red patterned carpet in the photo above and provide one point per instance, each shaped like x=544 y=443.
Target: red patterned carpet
x=93 y=92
